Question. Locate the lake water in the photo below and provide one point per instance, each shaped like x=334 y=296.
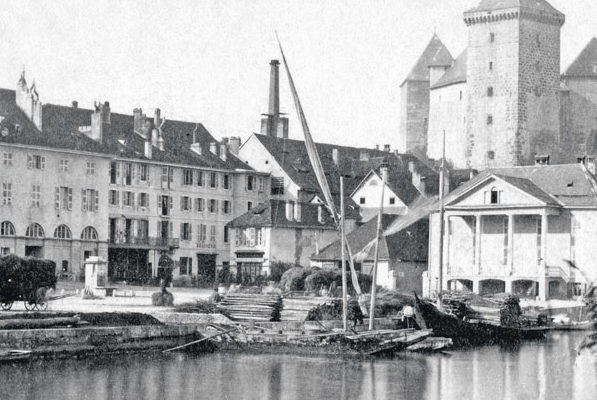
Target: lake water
x=536 y=370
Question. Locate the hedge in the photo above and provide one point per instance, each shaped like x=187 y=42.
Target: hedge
x=22 y=276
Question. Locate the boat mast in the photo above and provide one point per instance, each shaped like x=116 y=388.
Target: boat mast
x=344 y=280
x=384 y=174
x=441 y=221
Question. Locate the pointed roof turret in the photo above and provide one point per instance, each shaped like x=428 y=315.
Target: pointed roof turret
x=22 y=81
x=585 y=65
x=436 y=54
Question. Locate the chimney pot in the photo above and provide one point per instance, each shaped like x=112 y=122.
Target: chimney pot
x=156 y=117
x=386 y=148
x=234 y=145
x=75 y=104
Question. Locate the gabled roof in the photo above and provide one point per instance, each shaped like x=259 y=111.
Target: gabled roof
x=292 y=157
x=584 y=65
x=494 y=5
x=273 y=214
x=435 y=54
x=569 y=185
x=399 y=182
x=455 y=74
x=60 y=125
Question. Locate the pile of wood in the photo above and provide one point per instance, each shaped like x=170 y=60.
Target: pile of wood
x=297 y=309
x=251 y=307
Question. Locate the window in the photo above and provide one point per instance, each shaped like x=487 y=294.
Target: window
x=489 y=119
x=35 y=195
x=492 y=37
x=200 y=205
x=491 y=65
x=114 y=198
x=491 y=155
x=213 y=206
x=202 y=233
x=143 y=200
x=164 y=205
x=127 y=172
x=89 y=200
x=392 y=201
x=362 y=200
x=213 y=180
x=249 y=205
x=226 y=207
x=226 y=181
x=34 y=231
x=90 y=168
x=187 y=177
x=185 y=203
x=62 y=232
x=7 y=159
x=185 y=231
x=200 y=178
x=63 y=198
x=212 y=233
x=167 y=175
x=277 y=187
x=89 y=233
x=128 y=199
x=7 y=229
x=143 y=172
x=490 y=91
x=63 y=166
x=36 y=162
x=186 y=266
x=6 y=194
x=495 y=196
x=226 y=234
x=4 y=251
x=250 y=182
x=114 y=172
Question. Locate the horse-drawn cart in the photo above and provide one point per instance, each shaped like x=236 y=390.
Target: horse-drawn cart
x=26 y=280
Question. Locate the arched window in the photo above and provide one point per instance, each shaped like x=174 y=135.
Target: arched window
x=89 y=233
x=62 y=232
x=7 y=229
x=35 y=231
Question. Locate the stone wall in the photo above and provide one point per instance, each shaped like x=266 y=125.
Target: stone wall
x=414 y=118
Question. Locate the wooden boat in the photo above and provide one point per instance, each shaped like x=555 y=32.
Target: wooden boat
x=575 y=326
x=470 y=332
x=14 y=355
x=431 y=345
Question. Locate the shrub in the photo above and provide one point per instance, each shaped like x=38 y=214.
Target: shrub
x=223 y=275
x=322 y=278
x=25 y=275
x=510 y=311
x=294 y=279
x=162 y=298
x=277 y=269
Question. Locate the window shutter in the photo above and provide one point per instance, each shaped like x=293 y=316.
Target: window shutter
x=84 y=200
x=96 y=200
x=170 y=229
x=216 y=177
x=170 y=202
x=29 y=161
x=190 y=232
x=159 y=204
x=133 y=199
x=181 y=203
x=43 y=163
x=118 y=176
x=70 y=198
x=182 y=236
x=57 y=199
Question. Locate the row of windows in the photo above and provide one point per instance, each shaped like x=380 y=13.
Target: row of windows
x=37 y=161
x=35 y=230
x=63 y=197
x=250 y=237
x=187 y=204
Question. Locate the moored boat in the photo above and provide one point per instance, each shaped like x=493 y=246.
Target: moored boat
x=470 y=332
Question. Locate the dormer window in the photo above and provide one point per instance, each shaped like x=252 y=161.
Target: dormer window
x=494 y=196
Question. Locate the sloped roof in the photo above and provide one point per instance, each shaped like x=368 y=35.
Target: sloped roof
x=435 y=54
x=395 y=244
x=527 y=186
x=292 y=157
x=60 y=125
x=583 y=65
x=570 y=184
x=272 y=213
x=399 y=182
x=455 y=74
x=494 y=5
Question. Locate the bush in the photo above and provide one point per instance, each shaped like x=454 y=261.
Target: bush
x=277 y=269
x=23 y=276
x=322 y=279
x=510 y=311
x=223 y=275
x=293 y=280
x=162 y=298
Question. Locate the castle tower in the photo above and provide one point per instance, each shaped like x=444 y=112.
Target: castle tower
x=513 y=82
x=414 y=95
x=27 y=100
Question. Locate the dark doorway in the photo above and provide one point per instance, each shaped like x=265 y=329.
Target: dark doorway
x=34 y=251
x=129 y=265
x=206 y=268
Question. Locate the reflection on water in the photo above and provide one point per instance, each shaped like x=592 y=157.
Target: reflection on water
x=536 y=370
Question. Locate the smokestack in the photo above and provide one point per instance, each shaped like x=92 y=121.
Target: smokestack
x=234 y=144
x=75 y=104
x=156 y=117
x=274 y=99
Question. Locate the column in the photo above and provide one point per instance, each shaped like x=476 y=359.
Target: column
x=510 y=266
x=476 y=286
x=543 y=285
x=477 y=267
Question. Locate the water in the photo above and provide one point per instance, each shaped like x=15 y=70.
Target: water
x=536 y=370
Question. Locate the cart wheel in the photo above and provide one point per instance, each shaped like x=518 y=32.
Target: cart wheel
x=29 y=306
x=43 y=306
x=6 y=305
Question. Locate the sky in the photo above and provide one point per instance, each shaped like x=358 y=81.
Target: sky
x=208 y=61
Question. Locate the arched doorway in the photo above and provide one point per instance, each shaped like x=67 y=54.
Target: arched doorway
x=492 y=286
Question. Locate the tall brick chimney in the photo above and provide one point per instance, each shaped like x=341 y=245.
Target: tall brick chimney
x=274 y=124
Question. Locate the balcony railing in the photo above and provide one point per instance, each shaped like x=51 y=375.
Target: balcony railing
x=147 y=241
x=206 y=245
